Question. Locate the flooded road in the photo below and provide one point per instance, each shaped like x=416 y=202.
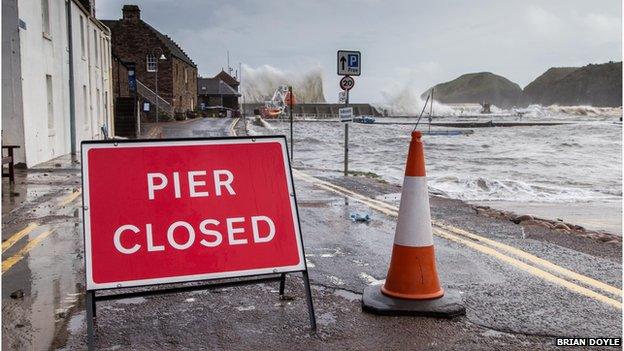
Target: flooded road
x=506 y=304
x=578 y=162
x=42 y=280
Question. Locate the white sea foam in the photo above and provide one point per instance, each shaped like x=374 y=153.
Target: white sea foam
x=259 y=84
x=579 y=162
x=406 y=101
x=568 y=111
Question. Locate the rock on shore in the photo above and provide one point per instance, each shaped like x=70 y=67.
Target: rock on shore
x=558 y=225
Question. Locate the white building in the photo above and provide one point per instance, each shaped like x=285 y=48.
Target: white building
x=56 y=88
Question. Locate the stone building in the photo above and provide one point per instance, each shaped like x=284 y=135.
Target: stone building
x=154 y=55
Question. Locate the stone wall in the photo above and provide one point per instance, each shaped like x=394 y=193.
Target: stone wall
x=120 y=78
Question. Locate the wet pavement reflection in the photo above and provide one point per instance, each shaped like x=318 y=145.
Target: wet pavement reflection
x=42 y=247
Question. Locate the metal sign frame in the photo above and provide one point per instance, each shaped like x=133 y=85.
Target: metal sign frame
x=343 y=53
x=203 y=281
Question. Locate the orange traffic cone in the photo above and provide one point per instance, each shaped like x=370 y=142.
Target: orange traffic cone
x=412 y=286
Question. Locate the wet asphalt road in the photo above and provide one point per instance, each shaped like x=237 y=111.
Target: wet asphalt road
x=507 y=307
x=197 y=128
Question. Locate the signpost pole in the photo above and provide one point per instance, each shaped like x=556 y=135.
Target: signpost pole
x=89 y=304
x=346 y=141
x=292 y=141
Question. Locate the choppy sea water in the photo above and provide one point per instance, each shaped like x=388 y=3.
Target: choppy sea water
x=550 y=167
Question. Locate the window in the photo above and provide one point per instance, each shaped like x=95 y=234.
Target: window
x=82 y=38
x=151 y=63
x=95 y=48
x=85 y=102
x=45 y=16
x=50 y=102
x=185 y=76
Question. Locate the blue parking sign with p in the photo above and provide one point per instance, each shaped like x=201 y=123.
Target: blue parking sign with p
x=352 y=60
x=349 y=63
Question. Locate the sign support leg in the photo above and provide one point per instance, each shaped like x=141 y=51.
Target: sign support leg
x=346 y=149
x=94 y=306
x=346 y=141
x=282 y=284
x=292 y=141
x=306 y=282
x=90 y=304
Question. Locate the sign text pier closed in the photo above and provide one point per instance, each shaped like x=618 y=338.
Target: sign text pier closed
x=163 y=212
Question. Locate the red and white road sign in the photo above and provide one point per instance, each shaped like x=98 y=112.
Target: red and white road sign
x=174 y=211
x=347 y=83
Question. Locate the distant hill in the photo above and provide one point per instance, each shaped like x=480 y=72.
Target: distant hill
x=596 y=85
x=477 y=88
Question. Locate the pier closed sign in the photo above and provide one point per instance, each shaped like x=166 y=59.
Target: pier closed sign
x=183 y=210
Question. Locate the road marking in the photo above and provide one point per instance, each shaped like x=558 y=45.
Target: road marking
x=231 y=130
x=69 y=198
x=537 y=260
x=392 y=210
x=528 y=268
x=18 y=236
x=11 y=261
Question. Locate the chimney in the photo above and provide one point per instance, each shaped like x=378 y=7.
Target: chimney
x=131 y=12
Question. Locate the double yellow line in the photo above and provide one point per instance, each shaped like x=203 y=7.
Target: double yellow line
x=231 y=130
x=503 y=252
x=32 y=243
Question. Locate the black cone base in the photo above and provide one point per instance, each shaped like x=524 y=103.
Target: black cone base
x=448 y=306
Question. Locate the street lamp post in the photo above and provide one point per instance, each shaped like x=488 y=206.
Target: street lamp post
x=162 y=57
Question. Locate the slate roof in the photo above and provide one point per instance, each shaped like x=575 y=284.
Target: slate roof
x=215 y=86
x=228 y=79
x=171 y=45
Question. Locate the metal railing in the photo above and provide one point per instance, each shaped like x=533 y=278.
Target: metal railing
x=147 y=93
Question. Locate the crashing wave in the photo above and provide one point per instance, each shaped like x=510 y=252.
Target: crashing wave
x=259 y=84
x=406 y=101
x=483 y=189
x=580 y=110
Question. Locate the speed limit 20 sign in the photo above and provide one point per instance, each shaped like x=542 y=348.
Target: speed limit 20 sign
x=347 y=83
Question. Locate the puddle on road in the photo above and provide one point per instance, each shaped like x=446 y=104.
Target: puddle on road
x=76 y=322
x=48 y=281
x=50 y=277
x=313 y=203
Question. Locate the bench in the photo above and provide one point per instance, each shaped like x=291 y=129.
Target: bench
x=8 y=160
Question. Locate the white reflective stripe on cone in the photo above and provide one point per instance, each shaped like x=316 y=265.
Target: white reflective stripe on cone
x=414 y=224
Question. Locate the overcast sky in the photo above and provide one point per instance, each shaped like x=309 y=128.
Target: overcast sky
x=406 y=43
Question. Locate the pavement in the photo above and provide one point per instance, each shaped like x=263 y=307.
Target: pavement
x=522 y=286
